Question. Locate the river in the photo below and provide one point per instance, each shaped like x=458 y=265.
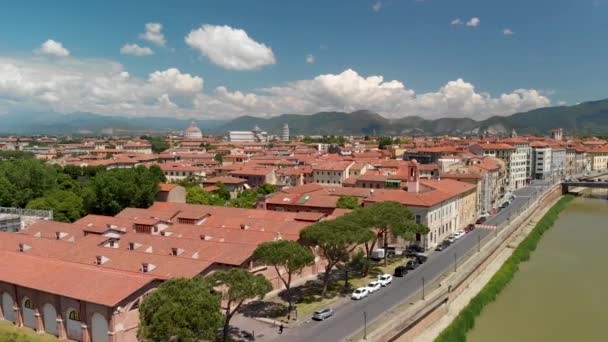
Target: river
x=561 y=293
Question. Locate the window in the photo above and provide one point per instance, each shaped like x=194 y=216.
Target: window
x=28 y=304
x=74 y=315
x=418 y=219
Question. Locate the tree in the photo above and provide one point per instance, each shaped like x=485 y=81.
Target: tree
x=266 y=189
x=181 y=309
x=336 y=239
x=348 y=202
x=111 y=191
x=219 y=157
x=384 y=142
x=29 y=179
x=385 y=217
x=66 y=205
x=290 y=256
x=158 y=143
x=236 y=286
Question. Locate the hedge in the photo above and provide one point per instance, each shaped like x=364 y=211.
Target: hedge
x=465 y=321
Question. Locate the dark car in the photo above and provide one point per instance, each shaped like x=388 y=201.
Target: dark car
x=400 y=271
x=481 y=220
x=469 y=228
x=443 y=245
x=412 y=264
x=421 y=258
x=415 y=248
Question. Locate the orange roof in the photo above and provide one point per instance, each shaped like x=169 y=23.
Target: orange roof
x=83 y=282
x=165 y=187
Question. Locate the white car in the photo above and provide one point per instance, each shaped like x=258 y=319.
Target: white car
x=459 y=234
x=385 y=279
x=373 y=286
x=485 y=214
x=360 y=293
x=451 y=238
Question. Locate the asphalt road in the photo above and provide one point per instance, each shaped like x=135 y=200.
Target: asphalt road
x=348 y=318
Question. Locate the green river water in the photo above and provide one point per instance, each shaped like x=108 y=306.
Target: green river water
x=561 y=293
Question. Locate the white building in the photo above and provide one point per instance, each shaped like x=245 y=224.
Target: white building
x=558 y=162
x=255 y=135
x=541 y=160
x=285 y=135
x=516 y=160
x=193 y=131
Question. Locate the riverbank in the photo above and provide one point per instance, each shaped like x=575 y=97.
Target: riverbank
x=465 y=320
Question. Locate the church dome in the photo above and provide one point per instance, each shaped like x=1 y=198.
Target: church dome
x=192 y=131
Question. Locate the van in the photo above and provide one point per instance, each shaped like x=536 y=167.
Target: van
x=378 y=254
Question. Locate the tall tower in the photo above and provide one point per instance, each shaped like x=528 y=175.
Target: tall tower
x=285 y=136
x=557 y=134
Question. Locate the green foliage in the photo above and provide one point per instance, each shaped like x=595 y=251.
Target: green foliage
x=114 y=190
x=28 y=179
x=11 y=155
x=336 y=239
x=237 y=285
x=196 y=195
x=266 y=189
x=186 y=309
x=338 y=140
x=385 y=142
x=288 y=255
x=219 y=157
x=158 y=143
x=457 y=330
x=360 y=263
x=348 y=202
x=66 y=205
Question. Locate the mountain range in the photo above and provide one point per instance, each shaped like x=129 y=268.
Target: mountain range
x=584 y=118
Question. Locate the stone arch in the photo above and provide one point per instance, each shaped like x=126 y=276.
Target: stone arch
x=73 y=324
x=49 y=315
x=99 y=328
x=7 y=307
x=28 y=313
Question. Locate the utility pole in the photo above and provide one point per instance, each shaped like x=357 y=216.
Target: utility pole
x=478 y=243
x=455 y=263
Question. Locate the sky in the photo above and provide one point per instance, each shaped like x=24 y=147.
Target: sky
x=226 y=58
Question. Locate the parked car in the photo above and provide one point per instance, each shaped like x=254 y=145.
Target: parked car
x=480 y=220
x=443 y=245
x=400 y=271
x=459 y=233
x=322 y=314
x=385 y=279
x=505 y=204
x=451 y=238
x=412 y=264
x=421 y=258
x=373 y=286
x=360 y=293
x=469 y=228
x=486 y=214
x=415 y=248
x=394 y=251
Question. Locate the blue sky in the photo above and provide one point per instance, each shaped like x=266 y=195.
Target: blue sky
x=555 y=54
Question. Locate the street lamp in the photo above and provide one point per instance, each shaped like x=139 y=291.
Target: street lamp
x=478 y=243
x=455 y=263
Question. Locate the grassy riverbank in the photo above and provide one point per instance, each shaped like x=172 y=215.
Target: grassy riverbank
x=457 y=330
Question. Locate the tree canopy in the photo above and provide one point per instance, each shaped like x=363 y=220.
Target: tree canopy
x=348 y=202
x=336 y=239
x=186 y=309
x=66 y=205
x=290 y=256
x=237 y=285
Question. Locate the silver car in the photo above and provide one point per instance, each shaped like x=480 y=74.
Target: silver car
x=322 y=314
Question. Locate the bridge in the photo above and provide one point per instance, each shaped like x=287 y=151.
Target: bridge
x=584 y=184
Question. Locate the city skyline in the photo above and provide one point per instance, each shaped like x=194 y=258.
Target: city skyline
x=220 y=60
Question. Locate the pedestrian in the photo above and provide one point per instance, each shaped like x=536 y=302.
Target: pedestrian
x=281 y=329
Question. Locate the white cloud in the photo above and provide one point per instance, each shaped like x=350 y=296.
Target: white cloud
x=508 y=32
x=136 y=50
x=310 y=59
x=154 y=34
x=172 y=79
x=105 y=87
x=55 y=48
x=230 y=48
x=456 y=21
x=473 y=22
x=377 y=6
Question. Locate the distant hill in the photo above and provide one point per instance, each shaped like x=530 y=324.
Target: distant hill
x=585 y=118
x=53 y=123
